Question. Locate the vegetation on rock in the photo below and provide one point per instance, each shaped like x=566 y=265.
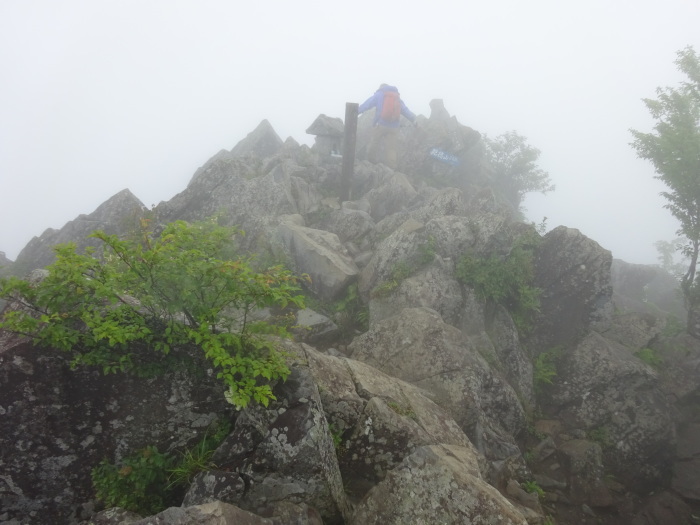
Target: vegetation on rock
x=145 y=300
x=506 y=280
x=149 y=481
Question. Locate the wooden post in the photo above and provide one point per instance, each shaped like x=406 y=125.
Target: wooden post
x=349 y=141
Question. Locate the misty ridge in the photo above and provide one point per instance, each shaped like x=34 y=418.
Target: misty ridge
x=343 y=333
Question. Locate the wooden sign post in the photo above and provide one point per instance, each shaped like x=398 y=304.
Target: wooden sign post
x=349 y=142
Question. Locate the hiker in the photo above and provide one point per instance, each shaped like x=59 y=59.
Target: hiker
x=385 y=135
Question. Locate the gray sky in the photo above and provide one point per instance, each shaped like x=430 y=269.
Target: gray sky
x=101 y=95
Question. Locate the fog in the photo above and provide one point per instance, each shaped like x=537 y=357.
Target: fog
x=102 y=95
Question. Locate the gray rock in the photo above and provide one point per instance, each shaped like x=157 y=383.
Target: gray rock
x=584 y=463
x=262 y=142
x=118 y=215
x=320 y=255
x=686 y=469
x=390 y=197
x=313 y=327
x=665 y=508
x=600 y=386
x=418 y=347
x=433 y=287
x=348 y=224
x=573 y=273
x=211 y=485
x=59 y=423
x=436 y=484
x=398 y=248
x=377 y=420
x=285 y=453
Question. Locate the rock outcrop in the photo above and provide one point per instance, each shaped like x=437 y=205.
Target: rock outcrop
x=118 y=215
x=425 y=400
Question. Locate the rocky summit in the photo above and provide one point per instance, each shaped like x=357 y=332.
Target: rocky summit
x=418 y=394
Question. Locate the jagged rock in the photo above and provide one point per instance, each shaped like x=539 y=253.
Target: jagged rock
x=433 y=287
x=686 y=469
x=219 y=513
x=58 y=423
x=663 y=509
x=429 y=205
x=584 y=463
x=286 y=452
x=320 y=255
x=526 y=499
x=680 y=357
x=313 y=327
x=262 y=142
x=214 y=485
x=390 y=197
x=573 y=273
x=240 y=193
x=418 y=347
x=436 y=484
x=512 y=358
x=453 y=236
x=460 y=351
x=634 y=330
x=348 y=224
x=398 y=248
x=602 y=388
x=378 y=420
x=118 y=215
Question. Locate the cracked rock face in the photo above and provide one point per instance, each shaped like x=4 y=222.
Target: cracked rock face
x=436 y=484
x=57 y=424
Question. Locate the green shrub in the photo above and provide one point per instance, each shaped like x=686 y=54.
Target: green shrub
x=149 y=297
x=356 y=312
x=649 y=356
x=533 y=487
x=198 y=458
x=139 y=484
x=506 y=280
x=148 y=481
x=399 y=272
x=545 y=368
x=600 y=435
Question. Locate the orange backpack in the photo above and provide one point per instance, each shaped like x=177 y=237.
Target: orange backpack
x=391 y=107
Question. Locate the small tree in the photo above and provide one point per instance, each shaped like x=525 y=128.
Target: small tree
x=674 y=150
x=127 y=310
x=514 y=163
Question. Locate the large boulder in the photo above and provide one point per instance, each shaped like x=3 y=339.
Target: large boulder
x=433 y=287
x=285 y=453
x=436 y=484
x=419 y=347
x=601 y=388
x=397 y=250
x=573 y=273
x=321 y=256
x=57 y=424
x=377 y=420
